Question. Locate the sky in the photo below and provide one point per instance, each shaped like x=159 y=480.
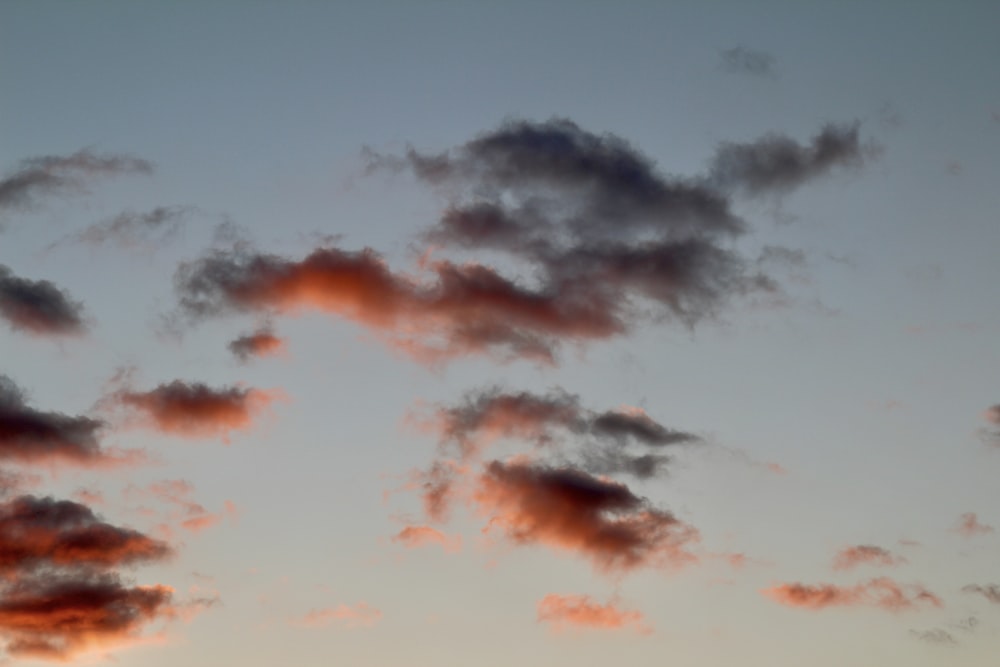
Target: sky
x=542 y=333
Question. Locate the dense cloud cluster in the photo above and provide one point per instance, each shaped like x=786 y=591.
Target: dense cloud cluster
x=38 y=307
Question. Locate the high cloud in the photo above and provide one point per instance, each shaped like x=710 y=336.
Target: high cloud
x=990 y=591
x=883 y=593
x=571 y=510
x=562 y=611
x=419 y=536
x=992 y=435
x=56 y=617
x=135 y=229
x=38 y=306
x=195 y=410
x=53 y=174
x=39 y=532
x=865 y=554
x=260 y=343
x=28 y=435
x=776 y=163
x=360 y=615
x=969 y=525
x=743 y=60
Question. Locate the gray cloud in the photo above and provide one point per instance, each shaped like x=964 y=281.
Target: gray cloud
x=777 y=163
x=990 y=591
x=38 y=306
x=52 y=174
x=133 y=229
x=742 y=60
x=935 y=636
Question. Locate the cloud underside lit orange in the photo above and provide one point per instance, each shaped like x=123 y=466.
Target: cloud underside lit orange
x=882 y=593
x=564 y=611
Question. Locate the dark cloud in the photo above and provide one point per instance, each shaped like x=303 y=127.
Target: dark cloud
x=28 y=435
x=43 y=532
x=49 y=175
x=260 y=343
x=57 y=616
x=635 y=424
x=776 y=163
x=133 y=229
x=990 y=591
x=569 y=509
x=38 y=307
x=742 y=60
x=195 y=410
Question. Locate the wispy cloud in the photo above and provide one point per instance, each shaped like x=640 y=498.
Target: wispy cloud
x=989 y=591
x=883 y=593
x=134 y=229
x=359 y=615
x=865 y=554
x=744 y=60
x=969 y=525
x=935 y=636
x=260 y=343
x=51 y=175
x=38 y=307
x=991 y=435
x=580 y=611
x=420 y=536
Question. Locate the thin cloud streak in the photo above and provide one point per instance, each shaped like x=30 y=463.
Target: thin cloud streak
x=580 y=611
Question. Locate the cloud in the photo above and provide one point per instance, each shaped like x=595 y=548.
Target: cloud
x=134 y=229
x=260 y=343
x=419 y=536
x=360 y=615
x=562 y=611
x=40 y=532
x=970 y=526
x=187 y=513
x=56 y=617
x=850 y=557
x=742 y=60
x=568 y=509
x=883 y=593
x=52 y=174
x=195 y=410
x=990 y=591
x=38 y=306
x=776 y=163
x=992 y=416
x=28 y=435
x=935 y=636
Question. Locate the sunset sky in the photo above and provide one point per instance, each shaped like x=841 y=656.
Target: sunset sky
x=483 y=334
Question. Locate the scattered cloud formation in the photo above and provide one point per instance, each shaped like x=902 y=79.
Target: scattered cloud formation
x=360 y=615
x=420 y=536
x=56 y=617
x=134 y=229
x=195 y=410
x=865 y=554
x=743 y=60
x=990 y=591
x=260 y=343
x=776 y=163
x=970 y=526
x=28 y=435
x=38 y=307
x=883 y=593
x=568 y=509
x=580 y=611
x=51 y=175
x=39 y=532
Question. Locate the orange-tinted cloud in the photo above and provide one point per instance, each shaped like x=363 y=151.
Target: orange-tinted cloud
x=57 y=617
x=28 y=435
x=419 y=536
x=562 y=611
x=360 y=615
x=195 y=410
x=970 y=526
x=883 y=593
x=260 y=343
x=37 y=532
x=190 y=515
x=850 y=557
x=571 y=510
